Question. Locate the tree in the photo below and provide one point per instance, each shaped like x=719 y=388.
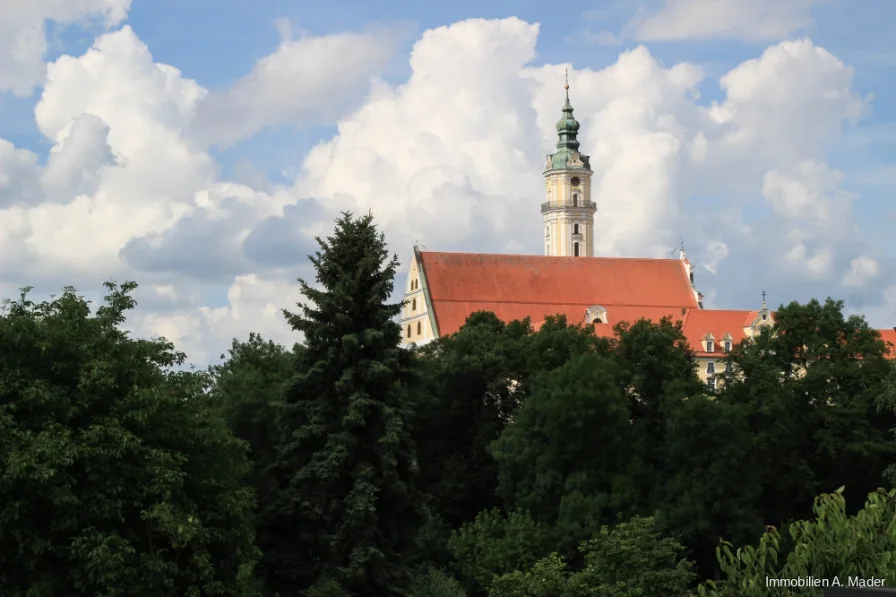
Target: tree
x=833 y=545
x=811 y=389
x=495 y=544
x=629 y=559
x=473 y=386
x=248 y=388
x=346 y=508
x=565 y=456
x=117 y=476
x=710 y=484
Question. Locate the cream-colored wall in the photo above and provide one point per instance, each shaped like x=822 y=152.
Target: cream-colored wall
x=414 y=311
x=558 y=223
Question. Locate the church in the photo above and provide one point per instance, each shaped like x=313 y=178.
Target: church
x=443 y=289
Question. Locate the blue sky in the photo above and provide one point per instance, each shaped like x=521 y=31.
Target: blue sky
x=259 y=124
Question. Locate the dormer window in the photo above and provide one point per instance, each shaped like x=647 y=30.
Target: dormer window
x=727 y=345
x=710 y=345
x=596 y=314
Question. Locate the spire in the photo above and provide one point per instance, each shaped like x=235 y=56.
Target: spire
x=568 y=126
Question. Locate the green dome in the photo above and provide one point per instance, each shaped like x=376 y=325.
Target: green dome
x=567 y=124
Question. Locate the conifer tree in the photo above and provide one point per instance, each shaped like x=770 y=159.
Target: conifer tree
x=346 y=509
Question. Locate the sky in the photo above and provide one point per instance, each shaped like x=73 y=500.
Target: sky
x=198 y=147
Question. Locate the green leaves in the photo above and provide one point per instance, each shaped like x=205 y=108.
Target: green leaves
x=116 y=477
x=833 y=544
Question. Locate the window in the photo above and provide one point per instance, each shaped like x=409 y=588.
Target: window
x=727 y=345
x=409 y=330
x=575 y=228
x=727 y=366
x=575 y=199
x=710 y=368
x=710 y=346
x=414 y=305
x=691 y=276
x=575 y=249
x=419 y=327
x=711 y=383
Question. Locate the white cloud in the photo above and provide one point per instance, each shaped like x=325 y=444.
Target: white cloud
x=305 y=81
x=451 y=157
x=753 y=20
x=862 y=270
x=23 y=37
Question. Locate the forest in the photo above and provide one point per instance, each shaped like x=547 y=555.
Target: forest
x=500 y=461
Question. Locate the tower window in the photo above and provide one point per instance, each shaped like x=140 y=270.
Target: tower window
x=575 y=181
x=575 y=249
x=409 y=330
x=419 y=328
x=575 y=199
x=575 y=228
x=414 y=305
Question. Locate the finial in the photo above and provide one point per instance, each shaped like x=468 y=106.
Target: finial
x=566 y=85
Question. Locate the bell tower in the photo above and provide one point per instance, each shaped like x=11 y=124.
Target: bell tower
x=568 y=212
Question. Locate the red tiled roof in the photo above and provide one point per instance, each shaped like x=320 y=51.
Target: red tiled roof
x=889 y=336
x=719 y=323
x=518 y=286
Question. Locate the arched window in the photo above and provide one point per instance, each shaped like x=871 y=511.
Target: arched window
x=575 y=228
x=575 y=249
x=409 y=330
x=414 y=305
x=575 y=199
x=419 y=327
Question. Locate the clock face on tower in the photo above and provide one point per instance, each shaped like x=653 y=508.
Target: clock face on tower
x=575 y=181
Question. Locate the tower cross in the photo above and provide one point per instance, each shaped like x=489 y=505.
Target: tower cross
x=763 y=296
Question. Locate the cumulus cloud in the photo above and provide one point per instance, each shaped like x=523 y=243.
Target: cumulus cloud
x=310 y=80
x=451 y=157
x=756 y=20
x=23 y=37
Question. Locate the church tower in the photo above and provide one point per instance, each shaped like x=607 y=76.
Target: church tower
x=569 y=211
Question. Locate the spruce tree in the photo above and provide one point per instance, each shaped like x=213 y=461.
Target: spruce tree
x=346 y=509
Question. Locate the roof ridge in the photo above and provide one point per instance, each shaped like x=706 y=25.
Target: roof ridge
x=565 y=303
x=579 y=259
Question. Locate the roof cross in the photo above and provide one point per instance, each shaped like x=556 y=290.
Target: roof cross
x=763 y=296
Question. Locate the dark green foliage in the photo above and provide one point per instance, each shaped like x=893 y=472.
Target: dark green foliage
x=811 y=392
x=346 y=510
x=248 y=388
x=565 y=457
x=117 y=477
x=710 y=483
x=474 y=385
x=630 y=559
x=495 y=544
